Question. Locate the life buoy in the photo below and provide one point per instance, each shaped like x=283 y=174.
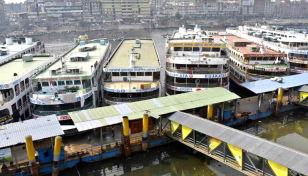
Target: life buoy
x=197 y=81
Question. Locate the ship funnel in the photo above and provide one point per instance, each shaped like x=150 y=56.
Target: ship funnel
x=9 y=41
x=182 y=30
x=197 y=29
x=28 y=41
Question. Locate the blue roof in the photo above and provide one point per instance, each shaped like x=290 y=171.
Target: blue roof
x=268 y=85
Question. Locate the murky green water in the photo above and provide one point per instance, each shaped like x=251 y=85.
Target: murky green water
x=290 y=129
x=170 y=160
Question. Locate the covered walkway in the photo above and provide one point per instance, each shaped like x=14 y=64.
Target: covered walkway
x=246 y=153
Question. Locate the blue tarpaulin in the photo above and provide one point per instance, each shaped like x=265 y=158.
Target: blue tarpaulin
x=268 y=85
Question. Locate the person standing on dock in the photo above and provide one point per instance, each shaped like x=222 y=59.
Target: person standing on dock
x=89 y=135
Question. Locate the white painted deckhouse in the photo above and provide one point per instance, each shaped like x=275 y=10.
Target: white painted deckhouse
x=132 y=72
x=292 y=42
x=72 y=83
x=195 y=60
x=19 y=60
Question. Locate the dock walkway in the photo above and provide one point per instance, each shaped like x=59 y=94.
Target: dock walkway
x=246 y=153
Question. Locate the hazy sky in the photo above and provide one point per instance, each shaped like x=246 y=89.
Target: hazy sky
x=11 y=1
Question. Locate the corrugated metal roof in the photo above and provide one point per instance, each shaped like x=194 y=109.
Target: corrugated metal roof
x=41 y=128
x=302 y=88
x=287 y=157
x=268 y=85
x=156 y=107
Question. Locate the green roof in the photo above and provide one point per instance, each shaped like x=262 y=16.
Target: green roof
x=113 y=114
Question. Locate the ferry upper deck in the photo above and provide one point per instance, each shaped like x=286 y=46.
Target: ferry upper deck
x=72 y=82
x=15 y=83
x=13 y=49
x=132 y=72
x=251 y=61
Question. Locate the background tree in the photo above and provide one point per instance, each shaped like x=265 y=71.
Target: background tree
x=178 y=16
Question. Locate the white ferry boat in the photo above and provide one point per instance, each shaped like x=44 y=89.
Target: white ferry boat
x=72 y=83
x=20 y=59
x=195 y=60
x=292 y=43
x=132 y=73
x=251 y=62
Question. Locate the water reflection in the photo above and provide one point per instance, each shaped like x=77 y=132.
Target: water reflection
x=170 y=160
x=290 y=129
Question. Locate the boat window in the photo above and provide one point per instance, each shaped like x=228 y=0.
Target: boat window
x=123 y=73
x=206 y=49
x=61 y=83
x=272 y=58
x=132 y=73
x=70 y=82
x=45 y=84
x=148 y=73
x=115 y=74
x=196 y=49
x=140 y=73
x=188 y=49
x=77 y=82
x=215 y=49
x=178 y=49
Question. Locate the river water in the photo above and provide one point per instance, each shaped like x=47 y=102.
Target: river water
x=290 y=129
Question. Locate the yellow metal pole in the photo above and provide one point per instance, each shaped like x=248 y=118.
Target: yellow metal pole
x=127 y=148
x=145 y=129
x=56 y=156
x=279 y=100
x=31 y=155
x=210 y=111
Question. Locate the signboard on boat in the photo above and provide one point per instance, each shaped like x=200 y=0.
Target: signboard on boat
x=299 y=71
x=198 y=44
x=63 y=117
x=187 y=89
x=131 y=69
x=298 y=61
x=299 y=52
x=131 y=90
x=211 y=76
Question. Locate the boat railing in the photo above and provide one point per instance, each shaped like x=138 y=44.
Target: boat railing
x=299 y=68
x=62 y=112
x=24 y=103
x=254 y=75
x=200 y=85
x=8 y=98
x=130 y=86
x=130 y=99
x=194 y=57
x=197 y=71
x=60 y=92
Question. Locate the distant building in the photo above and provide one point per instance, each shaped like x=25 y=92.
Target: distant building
x=258 y=7
x=92 y=10
x=269 y=8
x=16 y=8
x=65 y=12
x=2 y=13
x=125 y=9
x=17 y=18
x=247 y=7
